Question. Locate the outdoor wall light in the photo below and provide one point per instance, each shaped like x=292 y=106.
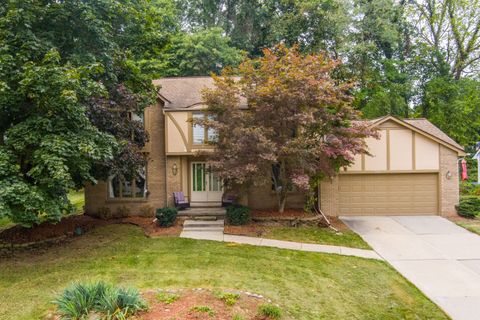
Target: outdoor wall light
x=174 y=169
x=448 y=175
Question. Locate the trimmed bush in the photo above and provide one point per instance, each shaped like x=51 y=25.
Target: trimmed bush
x=469 y=206
x=78 y=300
x=166 y=216
x=238 y=215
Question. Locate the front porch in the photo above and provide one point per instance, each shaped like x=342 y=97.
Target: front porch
x=191 y=175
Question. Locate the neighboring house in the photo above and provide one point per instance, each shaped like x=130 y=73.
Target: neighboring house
x=477 y=157
x=412 y=169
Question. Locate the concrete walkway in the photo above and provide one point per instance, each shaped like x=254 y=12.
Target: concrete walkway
x=439 y=257
x=217 y=235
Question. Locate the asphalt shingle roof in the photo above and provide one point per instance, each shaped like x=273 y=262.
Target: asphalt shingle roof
x=183 y=92
x=428 y=127
x=186 y=92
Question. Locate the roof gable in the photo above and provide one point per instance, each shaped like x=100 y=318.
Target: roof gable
x=424 y=127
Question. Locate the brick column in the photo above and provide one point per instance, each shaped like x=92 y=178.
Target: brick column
x=448 y=188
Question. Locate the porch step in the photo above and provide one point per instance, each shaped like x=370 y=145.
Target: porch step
x=205 y=213
x=203 y=226
x=203 y=223
x=197 y=204
x=205 y=218
x=204 y=229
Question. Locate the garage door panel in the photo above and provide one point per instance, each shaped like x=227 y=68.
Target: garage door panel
x=388 y=194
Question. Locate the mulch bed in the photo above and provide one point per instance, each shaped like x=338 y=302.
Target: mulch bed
x=288 y=213
x=67 y=226
x=461 y=219
x=183 y=308
x=264 y=220
x=294 y=214
x=151 y=229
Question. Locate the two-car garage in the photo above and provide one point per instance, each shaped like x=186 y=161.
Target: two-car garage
x=388 y=194
x=411 y=169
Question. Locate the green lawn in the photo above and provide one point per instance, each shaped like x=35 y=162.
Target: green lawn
x=5 y=223
x=317 y=235
x=77 y=198
x=306 y=285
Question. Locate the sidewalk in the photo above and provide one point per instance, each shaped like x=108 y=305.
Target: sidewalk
x=219 y=236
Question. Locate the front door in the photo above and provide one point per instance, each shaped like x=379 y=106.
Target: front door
x=206 y=185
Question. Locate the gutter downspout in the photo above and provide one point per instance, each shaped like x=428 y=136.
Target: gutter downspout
x=165 y=154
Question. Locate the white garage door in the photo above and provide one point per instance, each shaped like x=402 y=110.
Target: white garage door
x=388 y=194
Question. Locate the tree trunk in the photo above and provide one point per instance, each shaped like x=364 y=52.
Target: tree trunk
x=282 y=200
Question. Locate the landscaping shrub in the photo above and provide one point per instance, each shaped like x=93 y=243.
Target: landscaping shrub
x=228 y=297
x=167 y=298
x=203 y=309
x=121 y=302
x=122 y=212
x=147 y=211
x=78 y=300
x=166 y=216
x=469 y=206
x=270 y=311
x=104 y=213
x=238 y=215
x=469 y=189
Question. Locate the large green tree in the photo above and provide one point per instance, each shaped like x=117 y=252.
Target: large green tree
x=446 y=44
x=378 y=58
x=253 y=25
x=199 y=54
x=70 y=73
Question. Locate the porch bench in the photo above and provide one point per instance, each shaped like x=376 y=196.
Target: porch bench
x=179 y=200
x=228 y=200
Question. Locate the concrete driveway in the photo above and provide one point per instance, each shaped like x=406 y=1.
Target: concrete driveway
x=439 y=257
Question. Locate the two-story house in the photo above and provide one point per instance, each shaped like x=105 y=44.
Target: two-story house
x=412 y=170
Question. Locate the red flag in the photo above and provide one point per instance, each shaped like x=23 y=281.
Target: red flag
x=464 y=170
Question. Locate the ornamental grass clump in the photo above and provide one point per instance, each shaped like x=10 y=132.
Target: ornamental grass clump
x=82 y=299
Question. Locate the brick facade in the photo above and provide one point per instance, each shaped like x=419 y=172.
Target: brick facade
x=448 y=188
x=174 y=182
x=329 y=196
x=263 y=197
x=96 y=196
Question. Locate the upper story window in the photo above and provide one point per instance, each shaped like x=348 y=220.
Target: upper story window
x=202 y=135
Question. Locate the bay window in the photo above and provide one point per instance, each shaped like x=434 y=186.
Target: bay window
x=126 y=189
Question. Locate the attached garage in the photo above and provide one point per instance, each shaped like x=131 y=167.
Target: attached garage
x=411 y=169
x=388 y=194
